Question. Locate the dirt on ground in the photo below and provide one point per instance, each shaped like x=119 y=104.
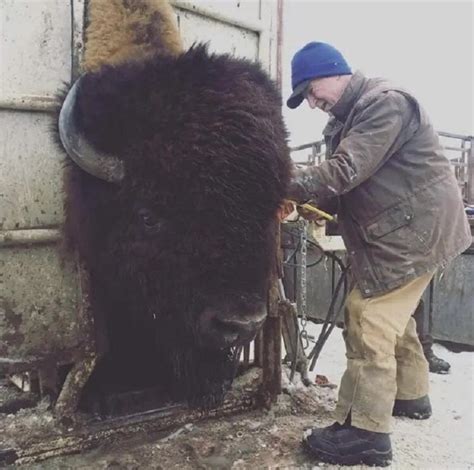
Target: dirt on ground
x=258 y=439
x=272 y=438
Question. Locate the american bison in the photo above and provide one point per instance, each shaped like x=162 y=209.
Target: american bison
x=186 y=164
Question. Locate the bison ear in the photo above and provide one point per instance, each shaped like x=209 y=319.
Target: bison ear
x=98 y=164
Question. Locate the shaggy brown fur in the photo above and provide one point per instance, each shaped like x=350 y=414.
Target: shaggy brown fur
x=191 y=226
x=121 y=30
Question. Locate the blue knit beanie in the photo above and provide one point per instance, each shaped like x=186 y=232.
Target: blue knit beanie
x=315 y=60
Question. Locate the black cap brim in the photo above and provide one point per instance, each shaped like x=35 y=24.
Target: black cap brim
x=297 y=96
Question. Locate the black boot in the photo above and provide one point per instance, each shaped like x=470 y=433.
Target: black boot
x=420 y=408
x=437 y=365
x=348 y=445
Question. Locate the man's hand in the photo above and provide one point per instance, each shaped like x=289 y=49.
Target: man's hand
x=286 y=208
x=297 y=191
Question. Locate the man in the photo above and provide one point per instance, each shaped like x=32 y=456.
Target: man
x=401 y=217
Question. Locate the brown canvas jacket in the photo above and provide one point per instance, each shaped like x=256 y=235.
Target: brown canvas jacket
x=400 y=208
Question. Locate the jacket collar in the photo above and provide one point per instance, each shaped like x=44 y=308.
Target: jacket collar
x=351 y=94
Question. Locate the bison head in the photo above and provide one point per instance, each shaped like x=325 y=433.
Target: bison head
x=186 y=164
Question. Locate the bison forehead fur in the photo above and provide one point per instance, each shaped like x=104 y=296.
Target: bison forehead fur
x=191 y=227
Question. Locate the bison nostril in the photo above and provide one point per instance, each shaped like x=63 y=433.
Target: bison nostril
x=227 y=331
x=236 y=330
x=226 y=326
x=219 y=328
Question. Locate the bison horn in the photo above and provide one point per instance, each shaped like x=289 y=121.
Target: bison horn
x=98 y=164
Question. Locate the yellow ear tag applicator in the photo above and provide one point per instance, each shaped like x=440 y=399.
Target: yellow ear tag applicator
x=314 y=209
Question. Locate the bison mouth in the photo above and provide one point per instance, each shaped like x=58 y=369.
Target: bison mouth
x=205 y=375
x=206 y=362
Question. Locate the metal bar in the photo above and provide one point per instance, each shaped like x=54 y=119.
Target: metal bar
x=456 y=149
x=77 y=37
x=258 y=349
x=68 y=399
x=306 y=146
x=279 y=75
x=454 y=136
x=29 y=236
x=272 y=335
x=107 y=431
x=209 y=13
x=470 y=173
x=440 y=133
x=246 y=361
x=29 y=103
x=271 y=360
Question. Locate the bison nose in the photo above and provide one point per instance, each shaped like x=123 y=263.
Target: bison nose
x=219 y=329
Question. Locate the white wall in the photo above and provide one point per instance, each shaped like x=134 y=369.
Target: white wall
x=424 y=46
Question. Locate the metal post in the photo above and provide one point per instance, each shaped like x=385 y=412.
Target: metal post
x=470 y=172
x=272 y=331
x=279 y=75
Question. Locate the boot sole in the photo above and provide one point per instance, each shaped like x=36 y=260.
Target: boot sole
x=417 y=416
x=371 y=458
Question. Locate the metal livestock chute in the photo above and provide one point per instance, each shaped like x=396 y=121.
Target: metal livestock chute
x=50 y=338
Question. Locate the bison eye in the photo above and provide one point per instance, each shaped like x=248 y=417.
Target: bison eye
x=148 y=219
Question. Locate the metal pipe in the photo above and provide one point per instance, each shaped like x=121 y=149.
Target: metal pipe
x=454 y=136
x=28 y=237
x=77 y=37
x=279 y=61
x=306 y=146
x=470 y=173
x=29 y=103
x=456 y=149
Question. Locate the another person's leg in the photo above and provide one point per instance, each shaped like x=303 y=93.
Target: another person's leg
x=421 y=316
x=369 y=384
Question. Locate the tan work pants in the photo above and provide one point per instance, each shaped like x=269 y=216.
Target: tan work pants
x=385 y=359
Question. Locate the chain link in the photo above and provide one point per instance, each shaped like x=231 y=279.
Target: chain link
x=302 y=298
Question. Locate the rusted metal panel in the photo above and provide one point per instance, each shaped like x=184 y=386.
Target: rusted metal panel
x=44 y=320
x=39 y=322
x=453 y=301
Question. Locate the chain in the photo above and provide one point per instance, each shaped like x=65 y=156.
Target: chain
x=303 y=225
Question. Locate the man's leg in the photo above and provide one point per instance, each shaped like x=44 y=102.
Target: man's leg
x=369 y=384
x=412 y=376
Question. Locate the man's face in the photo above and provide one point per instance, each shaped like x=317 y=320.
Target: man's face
x=323 y=93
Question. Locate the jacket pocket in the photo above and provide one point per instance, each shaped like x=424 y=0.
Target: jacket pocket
x=389 y=221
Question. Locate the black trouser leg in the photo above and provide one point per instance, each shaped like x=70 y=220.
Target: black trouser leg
x=422 y=326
